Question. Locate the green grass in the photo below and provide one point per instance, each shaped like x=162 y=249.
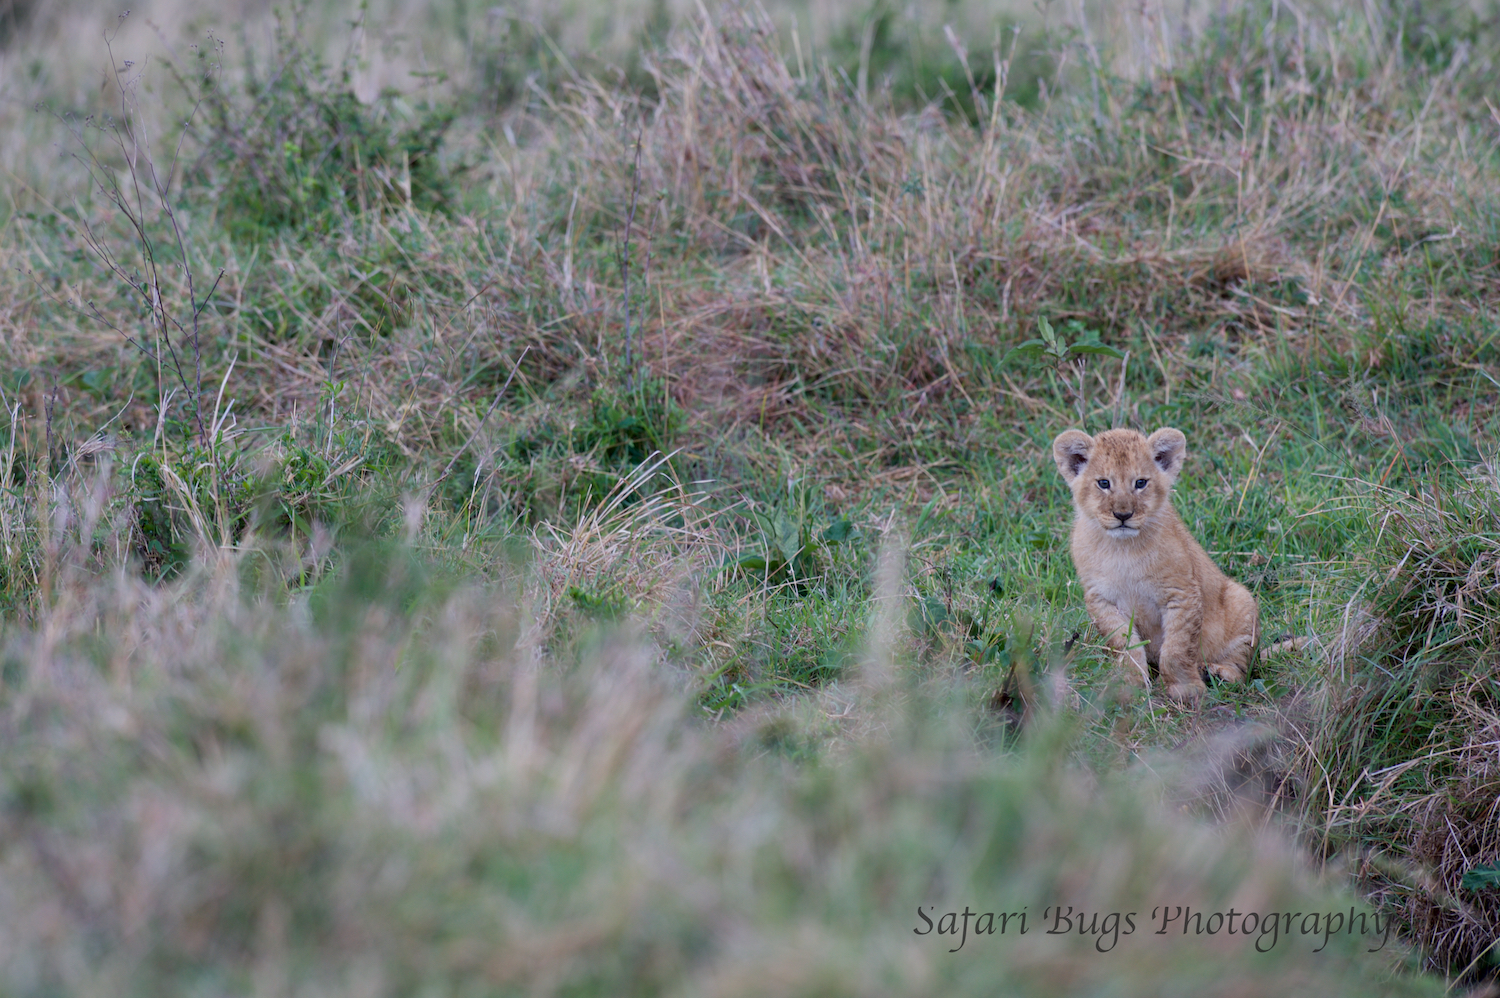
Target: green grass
x=397 y=615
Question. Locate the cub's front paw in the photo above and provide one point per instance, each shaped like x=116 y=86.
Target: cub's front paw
x=1133 y=665
x=1186 y=692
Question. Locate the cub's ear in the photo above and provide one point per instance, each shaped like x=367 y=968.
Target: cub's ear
x=1071 y=452
x=1168 y=449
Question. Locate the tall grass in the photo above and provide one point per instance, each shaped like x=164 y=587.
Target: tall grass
x=1400 y=761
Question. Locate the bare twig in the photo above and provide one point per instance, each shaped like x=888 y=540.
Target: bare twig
x=131 y=201
x=51 y=400
x=624 y=256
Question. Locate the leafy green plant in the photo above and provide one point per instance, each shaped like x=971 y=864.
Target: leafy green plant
x=918 y=60
x=1480 y=877
x=1060 y=349
x=214 y=496
x=1060 y=352
x=625 y=428
x=790 y=545
x=202 y=496
x=597 y=606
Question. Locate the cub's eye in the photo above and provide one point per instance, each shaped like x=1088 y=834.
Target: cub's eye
x=1140 y=483
x=1104 y=484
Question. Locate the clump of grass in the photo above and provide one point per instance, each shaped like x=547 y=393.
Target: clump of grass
x=1402 y=765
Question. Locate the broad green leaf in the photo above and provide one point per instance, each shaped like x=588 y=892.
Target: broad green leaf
x=1096 y=348
x=1480 y=877
x=1031 y=348
x=1049 y=335
x=839 y=530
x=788 y=536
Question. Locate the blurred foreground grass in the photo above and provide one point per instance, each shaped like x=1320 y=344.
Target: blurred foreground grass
x=388 y=785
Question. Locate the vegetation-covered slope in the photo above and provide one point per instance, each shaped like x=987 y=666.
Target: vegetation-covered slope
x=441 y=525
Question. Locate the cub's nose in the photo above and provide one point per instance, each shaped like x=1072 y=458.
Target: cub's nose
x=1122 y=517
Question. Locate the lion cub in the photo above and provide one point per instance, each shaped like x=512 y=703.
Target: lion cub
x=1150 y=588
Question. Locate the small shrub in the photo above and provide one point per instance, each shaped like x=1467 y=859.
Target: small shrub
x=294 y=149
x=202 y=496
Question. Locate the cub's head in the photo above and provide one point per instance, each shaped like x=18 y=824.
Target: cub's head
x=1121 y=480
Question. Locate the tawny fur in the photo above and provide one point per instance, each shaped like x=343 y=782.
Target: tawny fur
x=1151 y=590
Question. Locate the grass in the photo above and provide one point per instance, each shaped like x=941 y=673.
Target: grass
x=442 y=602
x=379 y=787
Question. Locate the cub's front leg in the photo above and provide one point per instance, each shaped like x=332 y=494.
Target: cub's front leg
x=1181 y=659
x=1123 y=639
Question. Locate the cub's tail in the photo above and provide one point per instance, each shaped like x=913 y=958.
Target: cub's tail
x=1287 y=643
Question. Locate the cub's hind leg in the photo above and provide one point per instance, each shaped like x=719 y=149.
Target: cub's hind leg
x=1230 y=660
x=1181 y=658
x=1230 y=672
